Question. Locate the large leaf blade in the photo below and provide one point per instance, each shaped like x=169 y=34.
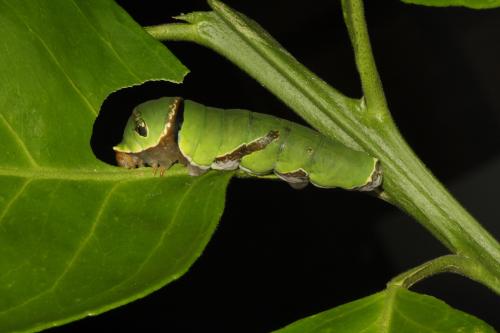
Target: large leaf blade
x=392 y=310
x=78 y=236
x=92 y=263
x=48 y=49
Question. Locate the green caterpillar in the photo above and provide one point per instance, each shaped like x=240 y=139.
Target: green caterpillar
x=170 y=130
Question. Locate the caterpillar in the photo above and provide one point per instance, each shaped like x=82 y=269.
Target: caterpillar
x=171 y=130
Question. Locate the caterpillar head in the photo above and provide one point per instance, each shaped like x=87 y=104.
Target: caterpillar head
x=150 y=130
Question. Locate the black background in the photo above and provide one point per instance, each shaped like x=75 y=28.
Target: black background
x=278 y=254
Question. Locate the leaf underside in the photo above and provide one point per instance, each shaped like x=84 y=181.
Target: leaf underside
x=393 y=310
x=77 y=236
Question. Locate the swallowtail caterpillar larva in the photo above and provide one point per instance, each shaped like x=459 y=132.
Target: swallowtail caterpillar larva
x=171 y=130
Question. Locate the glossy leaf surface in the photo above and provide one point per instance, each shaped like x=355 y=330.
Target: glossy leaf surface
x=390 y=311
x=77 y=236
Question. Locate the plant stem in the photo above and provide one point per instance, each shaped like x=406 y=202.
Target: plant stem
x=363 y=126
x=445 y=264
x=174 y=31
x=353 y=12
x=412 y=186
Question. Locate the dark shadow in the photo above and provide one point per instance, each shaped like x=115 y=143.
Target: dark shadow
x=115 y=111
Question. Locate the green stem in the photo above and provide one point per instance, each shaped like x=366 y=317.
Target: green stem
x=411 y=186
x=445 y=264
x=173 y=31
x=353 y=12
x=366 y=126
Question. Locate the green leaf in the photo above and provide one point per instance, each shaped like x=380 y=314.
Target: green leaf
x=393 y=310
x=77 y=236
x=475 y=4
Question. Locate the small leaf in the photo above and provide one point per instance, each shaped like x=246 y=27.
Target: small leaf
x=393 y=310
x=475 y=4
x=77 y=236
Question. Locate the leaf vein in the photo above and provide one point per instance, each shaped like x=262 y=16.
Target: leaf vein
x=74 y=257
x=108 y=44
x=387 y=311
x=91 y=233
x=160 y=240
x=402 y=314
x=207 y=205
x=14 y=199
x=19 y=141
x=57 y=63
x=345 y=313
x=175 y=216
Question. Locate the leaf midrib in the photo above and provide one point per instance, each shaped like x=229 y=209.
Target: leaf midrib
x=97 y=174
